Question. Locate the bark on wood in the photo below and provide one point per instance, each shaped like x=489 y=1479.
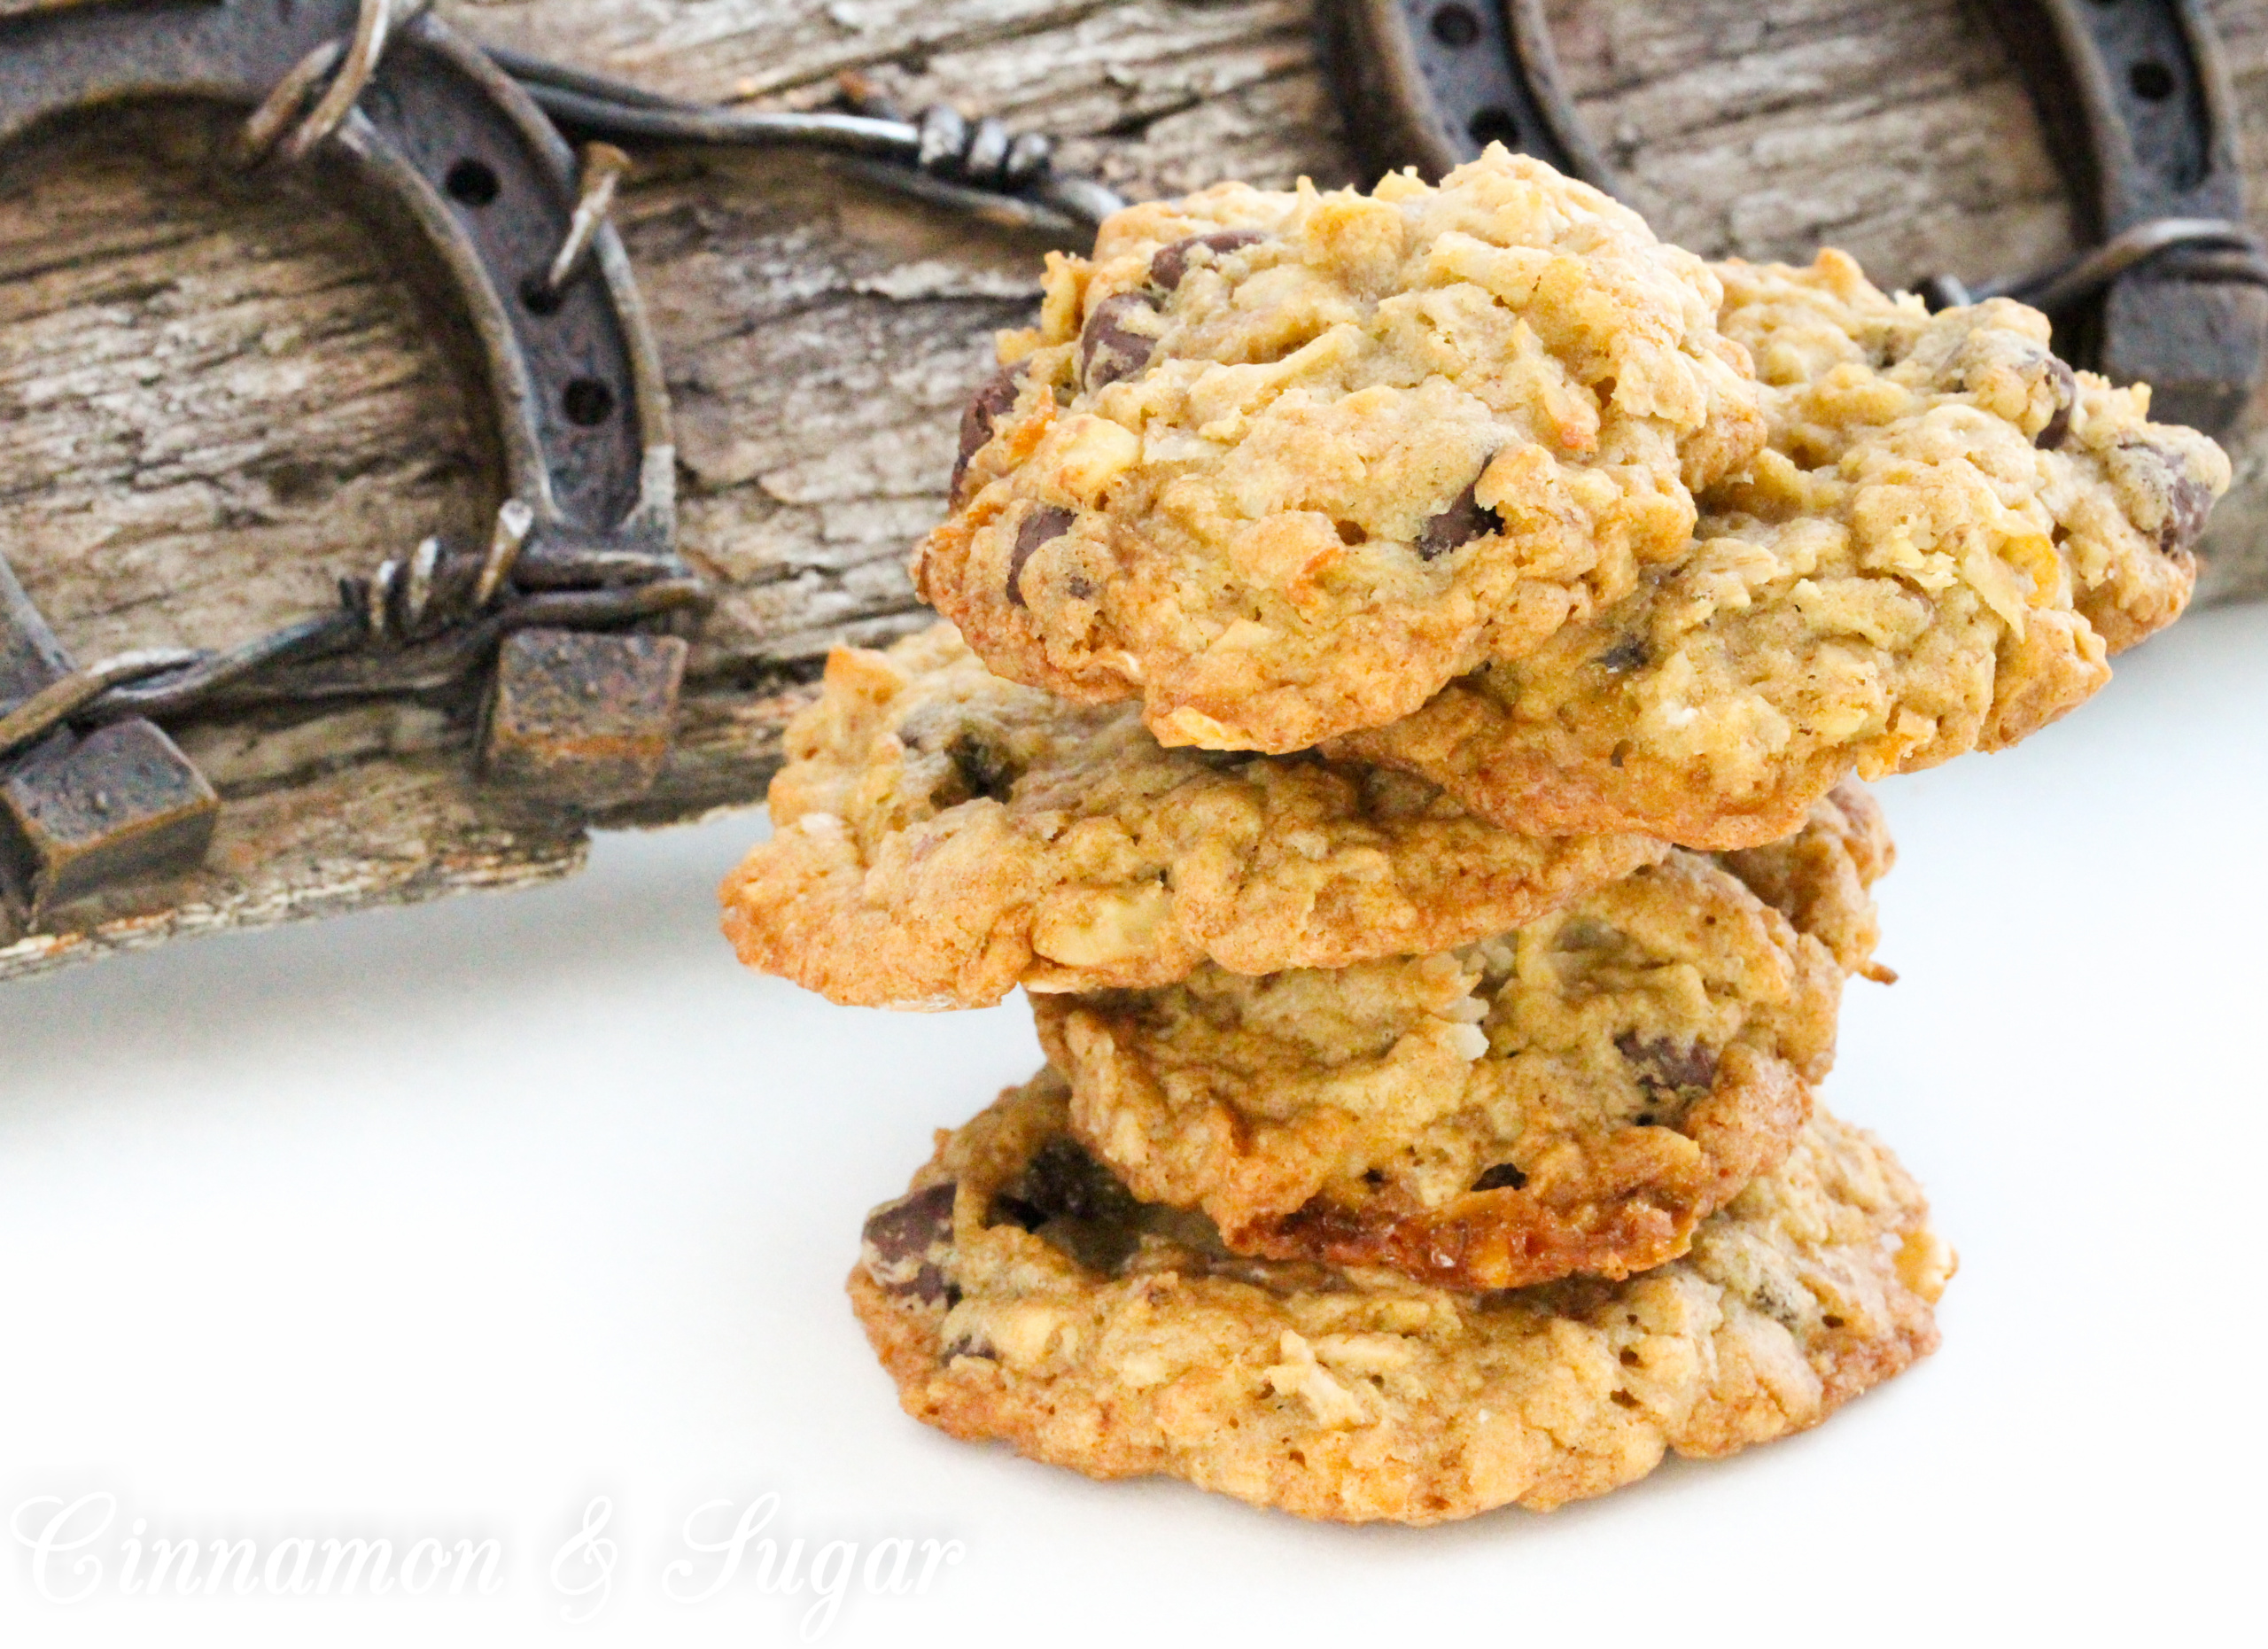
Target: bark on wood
x=218 y=401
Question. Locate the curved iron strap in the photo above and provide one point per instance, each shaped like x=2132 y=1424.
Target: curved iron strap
x=457 y=161
x=1431 y=83
x=454 y=160
x=2142 y=117
x=2134 y=94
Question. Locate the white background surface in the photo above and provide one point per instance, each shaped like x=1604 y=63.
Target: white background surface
x=448 y=1221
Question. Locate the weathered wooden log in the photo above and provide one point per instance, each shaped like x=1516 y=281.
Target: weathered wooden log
x=218 y=400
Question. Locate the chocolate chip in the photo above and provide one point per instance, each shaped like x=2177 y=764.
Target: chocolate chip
x=1629 y=653
x=1503 y=1177
x=1664 y=1067
x=1109 y=348
x=1170 y=263
x=2185 y=516
x=983 y=415
x=2186 y=502
x=1061 y=1178
x=983 y=766
x=1046 y=523
x=907 y=1242
x=2057 y=429
x=1074 y=1204
x=1461 y=523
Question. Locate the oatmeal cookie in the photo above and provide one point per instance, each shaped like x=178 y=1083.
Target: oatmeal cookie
x=1573 y=1097
x=1281 y=464
x=1019 y=1293
x=941 y=836
x=1948 y=532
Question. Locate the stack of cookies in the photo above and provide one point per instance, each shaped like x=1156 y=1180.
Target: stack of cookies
x=1412 y=657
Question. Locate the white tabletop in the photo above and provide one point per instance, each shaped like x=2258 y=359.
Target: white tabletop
x=442 y=1224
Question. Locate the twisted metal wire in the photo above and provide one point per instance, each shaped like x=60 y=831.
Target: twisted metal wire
x=417 y=623
x=979 y=168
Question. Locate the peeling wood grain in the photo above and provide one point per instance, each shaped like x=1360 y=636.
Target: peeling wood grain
x=388 y=832
x=218 y=400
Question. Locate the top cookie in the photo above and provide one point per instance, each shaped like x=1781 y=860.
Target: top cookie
x=1282 y=464
x=1948 y=532
x=941 y=836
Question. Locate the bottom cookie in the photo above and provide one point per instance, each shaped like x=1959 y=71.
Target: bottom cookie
x=1019 y=1292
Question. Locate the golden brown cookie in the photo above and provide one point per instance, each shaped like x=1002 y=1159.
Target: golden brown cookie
x=941 y=836
x=1280 y=464
x=1019 y=1293
x=1947 y=534
x=1573 y=1097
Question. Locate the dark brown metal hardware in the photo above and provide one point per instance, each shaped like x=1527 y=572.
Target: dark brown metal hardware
x=459 y=165
x=455 y=162
x=468 y=177
x=1431 y=83
x=582 y=720
x=76 y=815
x=2140 y=111
x=977 y=168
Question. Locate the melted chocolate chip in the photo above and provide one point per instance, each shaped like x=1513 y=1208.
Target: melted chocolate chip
x=2057 y=429
x=1663 y=1067
x=1503 y=1177
x=2184 y=516
x=906 y=1243
x=1061 y=1178
x=1170 y=263
x=980 y=767
x=1629 y=653
x=1046 y=523
x=1461 y=523
x=1109 y=348
x=1072 y=1201
x=983 y=415
x=2187 y=502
